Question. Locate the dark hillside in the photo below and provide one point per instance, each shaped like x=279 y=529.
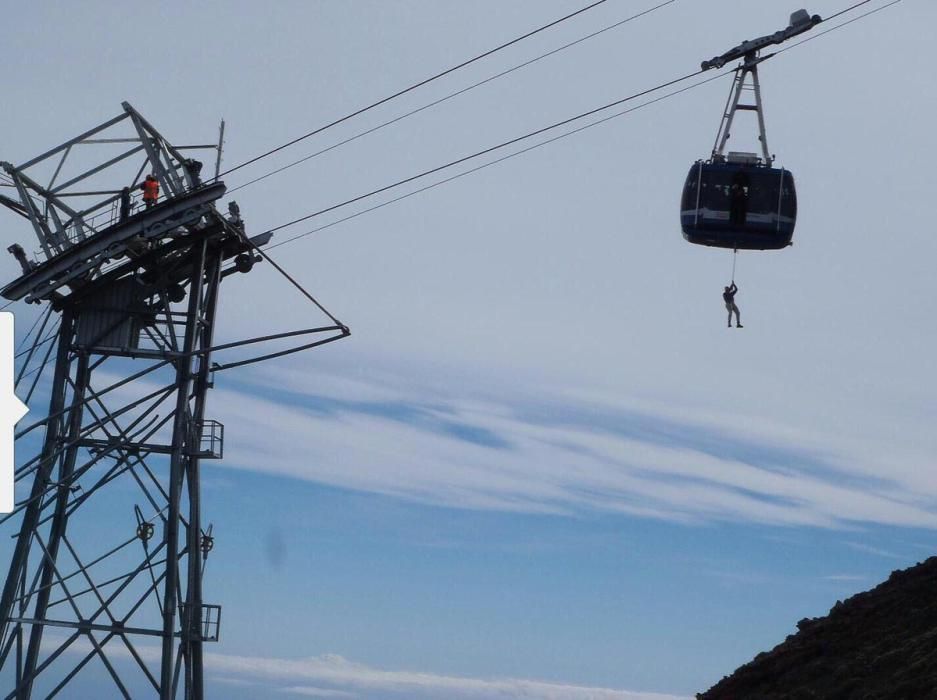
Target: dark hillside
x=877 y=644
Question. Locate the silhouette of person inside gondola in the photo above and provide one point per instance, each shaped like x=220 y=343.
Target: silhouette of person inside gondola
x=738 y=200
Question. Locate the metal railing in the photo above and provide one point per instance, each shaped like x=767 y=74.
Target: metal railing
x=209 y=440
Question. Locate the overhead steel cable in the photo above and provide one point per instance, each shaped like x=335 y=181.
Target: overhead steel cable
x=532 y=134
x=420 y=84
x=841 y=24
x=501 y=159
x=452 y=95
x=486 y=151
x=848 y=9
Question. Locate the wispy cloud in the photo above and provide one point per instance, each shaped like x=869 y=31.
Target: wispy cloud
x=333 y=676
x=738 y=577
x=846 y=577
x=317 y=692
x=537 y=451
x=870 y=549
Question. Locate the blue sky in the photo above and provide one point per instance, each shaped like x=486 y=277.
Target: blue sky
x=541 y=466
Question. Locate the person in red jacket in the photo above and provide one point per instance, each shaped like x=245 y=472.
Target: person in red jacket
x=150 y=189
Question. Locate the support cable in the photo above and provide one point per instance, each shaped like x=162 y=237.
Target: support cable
x=534 y=133
x=486 y=151
x=282 y=353
x=298 y=286
x=46 y=314
x=38 y=373
x=99 y=559
x=499 y=160
x=848 y=9
x=841 y=24
x=450 y=96
x=36 y=345
x=53 y=487
x=426 y=81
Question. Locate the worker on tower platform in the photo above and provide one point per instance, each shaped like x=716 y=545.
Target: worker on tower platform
x=194 y=169
x=125 y=204
x=150 y=189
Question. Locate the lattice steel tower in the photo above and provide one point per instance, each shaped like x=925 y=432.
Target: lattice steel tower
x=133 y=287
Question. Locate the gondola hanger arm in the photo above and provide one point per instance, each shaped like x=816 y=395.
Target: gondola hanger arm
x=800 y=22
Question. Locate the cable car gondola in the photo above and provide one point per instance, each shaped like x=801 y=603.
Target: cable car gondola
x=740 y=200
x=739 y=203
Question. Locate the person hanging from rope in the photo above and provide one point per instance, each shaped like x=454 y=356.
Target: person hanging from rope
x=728 y=296
x=150 y=189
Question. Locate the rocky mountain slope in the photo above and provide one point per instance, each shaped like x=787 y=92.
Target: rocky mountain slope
x=881 y=644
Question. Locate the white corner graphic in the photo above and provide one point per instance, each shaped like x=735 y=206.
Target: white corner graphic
x=11 y=410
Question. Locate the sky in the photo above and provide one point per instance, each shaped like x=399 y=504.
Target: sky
x=541 y=466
